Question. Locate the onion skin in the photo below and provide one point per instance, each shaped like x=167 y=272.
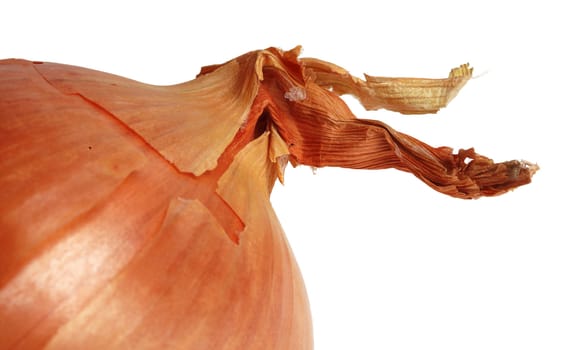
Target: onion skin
x=138 y=216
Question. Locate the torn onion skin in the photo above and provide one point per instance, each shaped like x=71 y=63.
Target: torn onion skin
x=138 y=216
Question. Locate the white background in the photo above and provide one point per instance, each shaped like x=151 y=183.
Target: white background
x=388 y=262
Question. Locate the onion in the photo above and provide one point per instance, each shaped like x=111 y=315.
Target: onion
x=138 y=216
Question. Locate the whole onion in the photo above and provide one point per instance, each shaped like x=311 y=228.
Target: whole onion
x=138 y=216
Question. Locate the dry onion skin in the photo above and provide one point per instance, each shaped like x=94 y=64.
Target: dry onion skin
x=138 y=216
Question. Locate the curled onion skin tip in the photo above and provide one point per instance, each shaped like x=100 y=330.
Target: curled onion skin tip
x=138 y=216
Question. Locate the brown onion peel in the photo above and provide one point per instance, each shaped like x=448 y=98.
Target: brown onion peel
x=138 y=216
x=322 y=131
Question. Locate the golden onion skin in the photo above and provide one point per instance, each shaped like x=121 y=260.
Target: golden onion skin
x=108 y=245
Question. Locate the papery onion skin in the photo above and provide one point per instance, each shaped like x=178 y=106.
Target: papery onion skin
x=138 y=216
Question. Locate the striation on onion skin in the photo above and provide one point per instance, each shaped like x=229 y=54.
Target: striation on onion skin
x=138 y=216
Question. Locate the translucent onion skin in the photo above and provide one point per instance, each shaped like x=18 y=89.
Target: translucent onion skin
x=138 y=216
